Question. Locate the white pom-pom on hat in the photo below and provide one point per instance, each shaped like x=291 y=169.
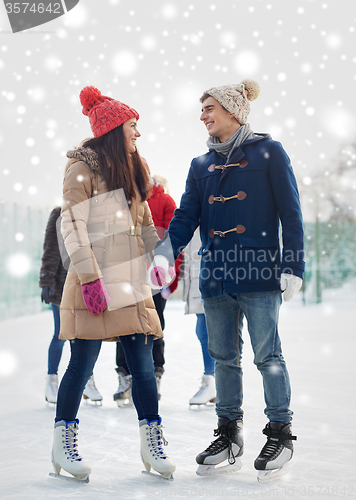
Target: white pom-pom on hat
x=252 y=89
x=236 y=98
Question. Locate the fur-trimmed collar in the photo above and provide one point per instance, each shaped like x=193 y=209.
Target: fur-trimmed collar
x=85 y=154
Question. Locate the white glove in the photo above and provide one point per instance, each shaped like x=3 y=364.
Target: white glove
x=290 y=285
x=160 y=273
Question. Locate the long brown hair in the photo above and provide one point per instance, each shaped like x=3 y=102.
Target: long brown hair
x=118 y=168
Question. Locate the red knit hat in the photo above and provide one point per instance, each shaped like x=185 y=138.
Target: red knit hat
x=104 y=113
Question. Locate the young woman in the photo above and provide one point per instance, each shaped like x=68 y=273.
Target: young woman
x=108 y=232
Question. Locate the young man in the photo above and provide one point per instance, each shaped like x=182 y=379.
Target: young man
x=239 y=192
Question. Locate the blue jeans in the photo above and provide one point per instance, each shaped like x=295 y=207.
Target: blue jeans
x=202 y=334
x=56 y=346
x=224 y=316
x=84 y=353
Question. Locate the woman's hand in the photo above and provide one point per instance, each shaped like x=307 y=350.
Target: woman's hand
x=95 y=296
x=160 y=273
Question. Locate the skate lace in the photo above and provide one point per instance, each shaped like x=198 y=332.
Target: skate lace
x=72 y=443
x=157 y=438
x=271 y=448
x=223 y=441
x=274 y=443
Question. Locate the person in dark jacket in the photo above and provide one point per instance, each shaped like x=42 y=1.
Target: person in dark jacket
x=241 y=193
x=162 y=207
x=52 y=277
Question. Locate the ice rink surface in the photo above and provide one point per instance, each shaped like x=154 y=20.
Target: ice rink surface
x=319 y=345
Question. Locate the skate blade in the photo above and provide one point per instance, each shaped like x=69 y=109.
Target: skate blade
x=124 y=403
x=170 y=478
x=93 y=402
x=267 y=475
x=210 y=470
x=201 y=406
x=69 y=478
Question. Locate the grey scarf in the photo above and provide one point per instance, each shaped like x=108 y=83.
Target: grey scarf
x=226 y=148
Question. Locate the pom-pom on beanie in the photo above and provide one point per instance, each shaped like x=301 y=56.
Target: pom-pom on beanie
x=235 y=98
x=104 y=113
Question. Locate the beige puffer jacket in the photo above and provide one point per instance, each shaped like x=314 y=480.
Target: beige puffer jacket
x=107 y=238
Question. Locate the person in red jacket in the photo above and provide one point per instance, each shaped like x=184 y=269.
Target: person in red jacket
x=162 y=207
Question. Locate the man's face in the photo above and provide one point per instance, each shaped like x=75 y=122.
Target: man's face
x=218 y=121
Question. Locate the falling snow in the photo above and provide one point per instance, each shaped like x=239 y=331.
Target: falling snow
x=297 y=54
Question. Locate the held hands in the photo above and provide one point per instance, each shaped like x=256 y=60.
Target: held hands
x=95 y=296
x=290 y=285
x=160 y=273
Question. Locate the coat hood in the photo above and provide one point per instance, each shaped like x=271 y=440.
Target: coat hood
x=156 y=190
x=87 y=155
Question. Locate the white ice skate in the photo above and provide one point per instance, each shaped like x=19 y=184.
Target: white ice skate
x=65 y=453
x=123 y=395
x=206 y=393
x=273 y=461
x=223 y=454
x=51 y=388
x=91 y=392
x=152 y=453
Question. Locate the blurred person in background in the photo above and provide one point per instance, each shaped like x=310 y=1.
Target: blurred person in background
x=194 y=305
x=52 y=277
x=162 y=207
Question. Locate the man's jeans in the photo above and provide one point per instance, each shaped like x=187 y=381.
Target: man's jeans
x=224 y=317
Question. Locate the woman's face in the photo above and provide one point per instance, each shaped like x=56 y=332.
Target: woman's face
x=131 y=134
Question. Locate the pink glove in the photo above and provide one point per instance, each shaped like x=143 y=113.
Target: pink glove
x=95 y=296
x=158 y=276
x=160 y=273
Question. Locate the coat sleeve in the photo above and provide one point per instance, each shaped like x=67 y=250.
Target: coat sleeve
x=185 y=221
x=51 y=256
x=77 y=189
x=149 y=232
x=168 y=211
x=286 y=195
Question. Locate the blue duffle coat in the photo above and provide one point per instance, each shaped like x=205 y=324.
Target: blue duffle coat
x=246 y=211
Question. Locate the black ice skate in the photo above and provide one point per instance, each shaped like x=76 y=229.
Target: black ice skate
x=228 y=446
x=276 y=453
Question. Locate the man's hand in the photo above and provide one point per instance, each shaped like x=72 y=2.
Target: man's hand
x=160 y=273
x=290 y=285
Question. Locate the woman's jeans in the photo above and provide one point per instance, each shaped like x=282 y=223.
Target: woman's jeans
x=56 y=346
x=202 y=334
x=224 y=316
x=84 y=353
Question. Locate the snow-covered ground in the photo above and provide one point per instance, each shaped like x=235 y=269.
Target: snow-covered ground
x=319 y=345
